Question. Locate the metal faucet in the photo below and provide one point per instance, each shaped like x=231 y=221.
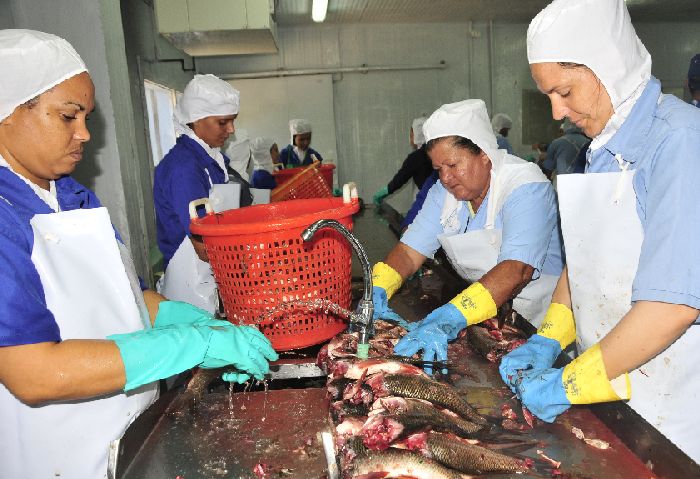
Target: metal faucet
x=366 y=306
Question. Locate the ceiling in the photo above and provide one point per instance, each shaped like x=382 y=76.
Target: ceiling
x=298 y=12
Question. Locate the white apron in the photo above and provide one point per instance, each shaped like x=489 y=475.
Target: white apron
x=92 y=290
x=603 y=237
x=187 y=278
x=475 y=253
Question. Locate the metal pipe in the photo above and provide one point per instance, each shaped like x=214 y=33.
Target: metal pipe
x=325 y=71
x=366 y=306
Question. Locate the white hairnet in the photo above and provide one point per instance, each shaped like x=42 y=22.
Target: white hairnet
x=299 y=126
x=238 y=151
x=206 y=95
x=500 y=121
x=417 y=127
x=32 y=63
x=595 y=33
x=260 y=149
x=467 y=119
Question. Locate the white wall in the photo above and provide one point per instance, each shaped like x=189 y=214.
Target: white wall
x=373 y=111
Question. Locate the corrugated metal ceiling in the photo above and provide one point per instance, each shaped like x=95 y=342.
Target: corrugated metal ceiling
x=298 y=12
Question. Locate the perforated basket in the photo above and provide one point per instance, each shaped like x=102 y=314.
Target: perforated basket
x=283 y=176
x=308 y=183
x=260 y=262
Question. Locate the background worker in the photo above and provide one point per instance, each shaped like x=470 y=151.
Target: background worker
x=82 y=346
x=195 y=168
x=562 y=152
x=266 y=159
x=694 y=80
x=630 y=294
x=416 y=165
x=299 y=151
x=495 y=217
x=502 y=124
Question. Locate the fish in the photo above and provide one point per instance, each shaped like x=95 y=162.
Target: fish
x=420 y=387
x=399 y=464
x=464 y=456
x=417 y=410
x=368 y=367
x=343 y=409
x=493 y=344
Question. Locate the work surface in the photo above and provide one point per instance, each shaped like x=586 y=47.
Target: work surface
x=207 y=432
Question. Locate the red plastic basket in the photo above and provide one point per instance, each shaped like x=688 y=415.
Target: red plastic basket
x=308 y=183
x=260 y=262
x=283 y=176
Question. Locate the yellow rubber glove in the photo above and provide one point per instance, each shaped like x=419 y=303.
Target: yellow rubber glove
x=586 y=382
x=475 y=303
x=558 y=324
x=387 y=278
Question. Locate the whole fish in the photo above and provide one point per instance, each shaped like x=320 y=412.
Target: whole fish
x=418 y=411
x=465 y=457
x=424 y=388
x=400 y=463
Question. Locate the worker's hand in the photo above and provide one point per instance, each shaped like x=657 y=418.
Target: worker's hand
x=152 y=354
x=549 y=392
x=432 y=334
x=536 y=354
x=557 y=331
x=244 y=347
x=382 y=309
x=171 y=313
x=386 y=281
x=380 y=195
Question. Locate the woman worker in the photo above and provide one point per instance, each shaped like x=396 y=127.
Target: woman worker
x=630 y=228
x=416 y=165
x=78 y=353
x=195 y=168
x=495 y=216
x=299 y=152
x=266 y=159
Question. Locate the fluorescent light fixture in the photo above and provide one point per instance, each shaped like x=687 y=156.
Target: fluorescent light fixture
x=318 y=10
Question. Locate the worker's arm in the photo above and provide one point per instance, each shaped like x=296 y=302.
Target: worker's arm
x=562 y=294
x=505 y=280
x=65 y=370
x=648 y=328
x=153 y=300
x=404 y=260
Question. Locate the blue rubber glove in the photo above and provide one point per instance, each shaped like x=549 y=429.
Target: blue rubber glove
x=172 y=313
x=542 y=392
x=432 y=334
x=383 y=311
x=152 y=354
x=537 y=353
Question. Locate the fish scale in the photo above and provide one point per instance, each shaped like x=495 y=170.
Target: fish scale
x=395 y=463
x=433 y=391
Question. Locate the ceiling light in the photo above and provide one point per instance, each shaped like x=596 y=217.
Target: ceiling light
x=318 y=10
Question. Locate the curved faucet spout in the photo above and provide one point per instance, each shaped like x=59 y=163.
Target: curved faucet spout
x=366 y=306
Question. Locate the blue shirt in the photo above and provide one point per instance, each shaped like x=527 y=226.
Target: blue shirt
x=420 y=199
x=290 y=159
x=662 y=144
x=563 y=152
x=24 y=316
x=528 y=220
x=503 y=143
x=179 y=178
x=263 y=179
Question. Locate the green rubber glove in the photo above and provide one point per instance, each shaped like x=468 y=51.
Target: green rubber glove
x=152 y=354
x=380 y=195
x=173 y=313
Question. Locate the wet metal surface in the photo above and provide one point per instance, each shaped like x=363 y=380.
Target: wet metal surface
x=222 y=435
x=206 y=432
